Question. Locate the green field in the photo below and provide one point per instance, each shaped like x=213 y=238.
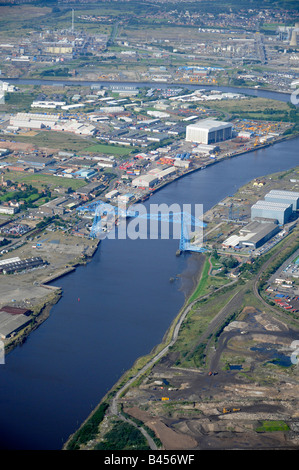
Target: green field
x=56 y=140
x=208 y=282
x=270 y=426
x=71 y=143
x=40 y=181
x=108 y=149
x=254 y=108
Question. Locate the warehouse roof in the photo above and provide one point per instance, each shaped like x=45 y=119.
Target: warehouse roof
x=9 y=324
x=279 y=192
x=278 y=206
x=209 y=124
x=15 y=310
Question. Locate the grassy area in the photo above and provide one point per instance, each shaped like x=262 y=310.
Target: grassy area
x=19 y=101
x=208 y=282
x=270 y=426
x=88 y=430
x=203 y=281
x=40 y=181
x=15 y=17
x=123 y=436
x=56 y=140
x=108 y=149
x=253 y=108
x=190 y=353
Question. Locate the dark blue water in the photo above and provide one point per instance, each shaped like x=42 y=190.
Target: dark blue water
x=127 y=302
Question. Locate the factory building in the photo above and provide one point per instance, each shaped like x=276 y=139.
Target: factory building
x=54 y=207
x=47 y=104
x=145 y=181
x=253 y=235
x=271 y=210
x=10 y=323
x=166 y=172
x=34 y=121
x=21 y=265
x=289 y=197
x=8 y=210
x=208 y=131
x=36 y=161
x=111 y=194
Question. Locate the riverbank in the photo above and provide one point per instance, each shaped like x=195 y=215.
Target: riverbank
x=143 y=365
x=44 y=296
x=214 y=161
x=140 y=83
x=40 y=318
x=126 y=306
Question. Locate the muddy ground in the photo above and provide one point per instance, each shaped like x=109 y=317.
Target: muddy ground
x=253 y=381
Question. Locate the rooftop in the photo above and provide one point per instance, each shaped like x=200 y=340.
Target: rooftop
x=282 y=193
x=271 y=205
x=209 y=124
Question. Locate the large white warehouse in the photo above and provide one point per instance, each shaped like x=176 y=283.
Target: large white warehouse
x=271 y=210
x=145 y=181
x=289 y=197
x=208 y=131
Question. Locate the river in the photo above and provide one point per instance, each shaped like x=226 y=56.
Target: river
x=113 y=310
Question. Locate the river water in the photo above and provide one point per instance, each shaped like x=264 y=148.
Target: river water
x=113 y=310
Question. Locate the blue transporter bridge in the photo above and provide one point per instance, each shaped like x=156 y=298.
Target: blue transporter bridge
x=191 y=227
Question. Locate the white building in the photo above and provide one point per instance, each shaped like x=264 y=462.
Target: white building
x=111 y=194
x=166 y=172
x=8 y=210
x=144 y=181
x=208 y=131
x=34 y=121
x=47 y=104
x=106 y=164
x=181 y=163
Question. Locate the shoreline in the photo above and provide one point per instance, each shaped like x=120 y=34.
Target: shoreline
x=148 y=360
x=214 y=162
x=48 y=304
x=87 y=82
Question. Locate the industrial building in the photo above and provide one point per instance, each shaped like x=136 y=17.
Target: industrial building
x=34 y=121
x=271 y=210
x=289 y=197
x=111 y=194
x=8 y=210
x=253 y=235
x=90 y=189
x=10 y=324
x=145 y=181
x=21 y=265
x=166 y=172
x=208 y=131
x=54 y=207
x=47 y=104
x=206 y=149
x=36 y=161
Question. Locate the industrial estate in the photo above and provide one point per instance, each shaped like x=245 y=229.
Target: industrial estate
x=95 y=113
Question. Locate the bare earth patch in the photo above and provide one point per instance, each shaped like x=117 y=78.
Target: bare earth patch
x=169 y=438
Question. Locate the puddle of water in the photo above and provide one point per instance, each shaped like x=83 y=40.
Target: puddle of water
x=273 y=356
